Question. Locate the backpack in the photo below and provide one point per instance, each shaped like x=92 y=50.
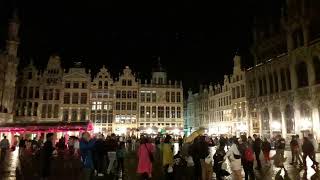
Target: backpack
x=248 y=154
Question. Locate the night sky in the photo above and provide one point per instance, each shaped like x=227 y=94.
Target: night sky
x=196 y=41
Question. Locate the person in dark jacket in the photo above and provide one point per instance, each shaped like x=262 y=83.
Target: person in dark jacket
x=46 y=155
x=280 y=145
x=257 y=149
x=112 y=145
x=86 y=151
x=99 y=154
x=266 y=148
x=294 y=146
x=218 y=159
x=308 y=150
x=247 y=164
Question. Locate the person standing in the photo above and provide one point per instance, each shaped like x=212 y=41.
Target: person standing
x=46 y=155
x=266 y=148
x=234 y=157
x=314 y=143
x=120 y=157
x=99 y=154
x=280 y=146
x=294 y=146
x=4 y=145
x=86 y=151
x=145 y=158
x=257 y=149
x=167 y=158
x=112 y=148
x=247 y=158
x=218 y=159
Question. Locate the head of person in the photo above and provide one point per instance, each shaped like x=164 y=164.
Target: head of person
x=49 y=136
x=255 y=136
x=143 y=140
x=86 y=136
x=122 y=145
x=305 y=139
x=243 y=138
x=167 y=139
x=293 y=137
x=297 y=136
x=4 y=137
x=113 y=136
x=265 y=139
x=310 y=136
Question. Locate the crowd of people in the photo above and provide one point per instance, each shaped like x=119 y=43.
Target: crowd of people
x=101 y=156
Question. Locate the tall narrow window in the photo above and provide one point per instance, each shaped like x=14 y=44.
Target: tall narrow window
x=124 y=82
x=283 y=80
x=142 y=112
x=83 y=115
x=148 y=112
x=154 y=112
x=56 y=111
x=129 y=94
x=44 y=111
x=160 y=112
x=123 y=105
x=65 y=115
x=129 y=83
x=118 y=94
x=233 y=93
x=128 y=105
x=75 y=98
x=178 y=97
x=173 y=112
x=74 y=115
x=289 y=78
x=45 y=94
x=66 y=98
x=167 y=112
x=271 y=83
x=142 y=96
x=275 y=78
x=50 y=94
x=30 y=92
x=49 y=110
x=134 y=94
x=29 y=109
x=84 y=85
x=134 y=106
x=36 y=95
x=178 y=112
x=117 y=105
x=124 y=94
x=148 y=97
x=35 y=109
x=168 y=96
x=83 y=98
x=173 y=97
x=76 y=85
x=57 y=94
x=238 y=91
x=154 y=97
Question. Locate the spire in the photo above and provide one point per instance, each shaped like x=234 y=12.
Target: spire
x=158 y=67
x=13 y=37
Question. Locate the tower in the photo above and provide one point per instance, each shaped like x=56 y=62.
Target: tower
x=159 y=75
x=10 y=64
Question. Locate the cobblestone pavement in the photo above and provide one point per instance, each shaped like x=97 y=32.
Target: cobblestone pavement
x=8 y=168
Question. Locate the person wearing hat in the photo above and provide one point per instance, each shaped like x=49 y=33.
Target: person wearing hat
x=46 y=156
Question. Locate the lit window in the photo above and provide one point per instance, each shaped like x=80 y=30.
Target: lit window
x=99 y=105
x=94 y=105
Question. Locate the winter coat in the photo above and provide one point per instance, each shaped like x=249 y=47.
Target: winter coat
x=144 y=163
x=234 y=163
x=167 y=154
x=86 y=150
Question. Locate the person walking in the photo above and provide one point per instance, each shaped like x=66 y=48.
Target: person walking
x=266 y=148
x=46 y=155
x=86 y=151
x=4 y=145
x=112 y=148
x=234 y=157
x=145 y=158
x=314 y=143
x=247 y=158
x=120 y=157
x=167 y=158
x=308 y=150
x=257 y=149
x=280 y=146
x=218 y=159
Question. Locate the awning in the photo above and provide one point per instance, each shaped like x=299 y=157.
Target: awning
x=46 y=126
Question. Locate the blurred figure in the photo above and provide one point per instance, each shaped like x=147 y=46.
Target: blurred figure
x=257 y=149
x=167 y=162
x=112 y=148
x=86 y=150
x=294 y=146
x=247 y=158
x=120 y=157
x=308 y=150
x=266 y=148
x=280 y=145
x=4 y=145
x=22 y=145
x=314 y=143
x=218 y=159
x=46 y=155
x=234 y=157
x=145 y=151
x=99 y=152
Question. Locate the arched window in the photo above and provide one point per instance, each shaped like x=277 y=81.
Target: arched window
x=302 y=74
x=283 y=80
x=289 y=118
x=276 y=119
x=316 y=66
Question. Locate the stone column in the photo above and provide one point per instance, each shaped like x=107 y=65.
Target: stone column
x=315 y=119
x=297 y=124
x=270 y=121
x=283 y=125
x=78 y=114
x=260 y=123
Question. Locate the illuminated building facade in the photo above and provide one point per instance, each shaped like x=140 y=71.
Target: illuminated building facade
x=161 y=105
x=283 y=88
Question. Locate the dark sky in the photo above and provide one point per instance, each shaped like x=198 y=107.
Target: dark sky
x=196 y=41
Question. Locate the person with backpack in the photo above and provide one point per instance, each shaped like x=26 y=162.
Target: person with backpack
x=145 y=158
x=234 y=157
x=247 y=158
x=257 y=149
